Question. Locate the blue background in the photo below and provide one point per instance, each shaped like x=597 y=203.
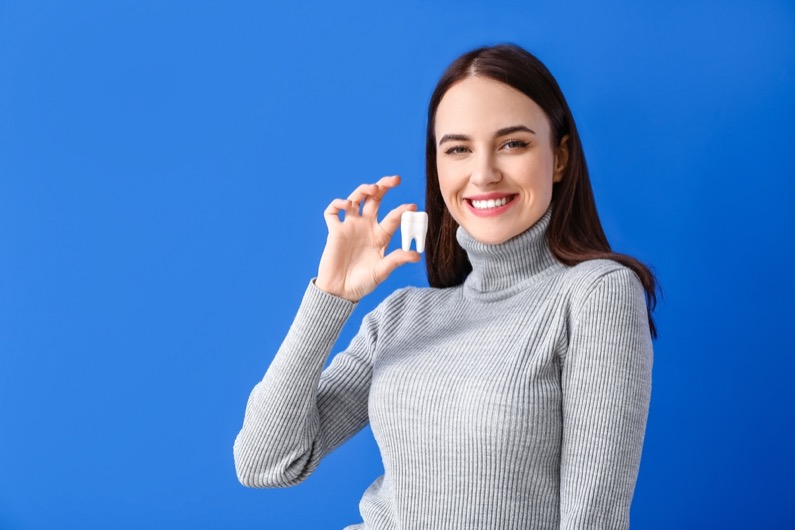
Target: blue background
x=164 y=167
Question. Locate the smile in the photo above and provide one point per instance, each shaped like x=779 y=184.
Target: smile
x=490 y=206
x=491 y=203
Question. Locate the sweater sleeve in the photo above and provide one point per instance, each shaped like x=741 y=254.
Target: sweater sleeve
x=606 y=381
x=299 y=412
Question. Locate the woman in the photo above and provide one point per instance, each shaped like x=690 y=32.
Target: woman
x=514 y=392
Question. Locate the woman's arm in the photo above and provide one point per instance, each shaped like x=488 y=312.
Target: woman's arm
x=606 y=380
x=296 y=415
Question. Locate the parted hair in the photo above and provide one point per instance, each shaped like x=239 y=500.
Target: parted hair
x=575 y=232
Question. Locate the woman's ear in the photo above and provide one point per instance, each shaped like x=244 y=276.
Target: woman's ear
x=561 y=159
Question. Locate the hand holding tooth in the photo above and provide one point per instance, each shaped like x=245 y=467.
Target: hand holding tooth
x=354 y=261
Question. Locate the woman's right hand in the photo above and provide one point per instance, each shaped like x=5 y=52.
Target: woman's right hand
x=353 y=262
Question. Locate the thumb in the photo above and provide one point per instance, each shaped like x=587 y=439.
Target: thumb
x=392 y=261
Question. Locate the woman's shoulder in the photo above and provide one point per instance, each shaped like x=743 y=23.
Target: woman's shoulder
x=595 y=268
x=585 y=277
x=419 y=295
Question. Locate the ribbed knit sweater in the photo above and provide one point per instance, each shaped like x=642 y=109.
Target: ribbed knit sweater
x=517 y=400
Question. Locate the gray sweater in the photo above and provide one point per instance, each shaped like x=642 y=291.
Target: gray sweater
x=517 y=400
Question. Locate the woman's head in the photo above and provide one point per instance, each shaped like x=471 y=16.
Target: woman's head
x=495 y=158
x=474 y=150
x=518 y=72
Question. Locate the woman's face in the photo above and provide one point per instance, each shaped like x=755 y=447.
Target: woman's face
x=495 y=160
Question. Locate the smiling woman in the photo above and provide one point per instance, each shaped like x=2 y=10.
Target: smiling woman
x=513 y=393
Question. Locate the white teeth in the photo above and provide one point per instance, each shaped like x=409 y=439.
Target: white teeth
x=491 y=203
x=413 y=225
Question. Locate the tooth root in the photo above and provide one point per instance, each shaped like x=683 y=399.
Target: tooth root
x=405 y=237
x=419 y=241
x=413 y=225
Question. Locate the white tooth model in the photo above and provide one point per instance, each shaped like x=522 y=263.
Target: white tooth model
x=414 y=225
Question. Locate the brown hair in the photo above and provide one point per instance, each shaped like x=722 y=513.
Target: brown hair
x=575 y=233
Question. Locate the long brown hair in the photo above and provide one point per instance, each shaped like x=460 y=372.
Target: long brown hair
x=575 y=233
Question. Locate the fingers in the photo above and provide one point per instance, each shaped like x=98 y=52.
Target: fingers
x=331 y=214
x=369 y=194
x=392 y=261
x=389 y=182
x=384 y=184
x=372 y=194
x=373 y=202
x=361 y=193
x=391 y=222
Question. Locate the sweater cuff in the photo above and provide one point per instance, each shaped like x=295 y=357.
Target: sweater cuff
x=335 y=309
x=319 y=321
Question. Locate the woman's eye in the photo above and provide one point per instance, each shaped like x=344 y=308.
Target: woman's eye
x=515 y=144
x=456 y=150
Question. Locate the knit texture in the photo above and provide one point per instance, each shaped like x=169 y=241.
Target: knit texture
x=517 y=400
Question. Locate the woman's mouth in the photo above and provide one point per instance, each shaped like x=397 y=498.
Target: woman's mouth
x=487 y=207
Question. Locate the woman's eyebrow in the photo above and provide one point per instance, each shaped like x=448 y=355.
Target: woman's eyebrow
x=501 y=132
x=454 y=138
x=513 y=129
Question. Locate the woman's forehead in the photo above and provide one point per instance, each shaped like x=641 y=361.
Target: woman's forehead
x=482 y=105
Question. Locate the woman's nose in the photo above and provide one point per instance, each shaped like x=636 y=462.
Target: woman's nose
x=484 y=171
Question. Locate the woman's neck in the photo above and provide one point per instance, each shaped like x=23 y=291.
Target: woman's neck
x=503 y=269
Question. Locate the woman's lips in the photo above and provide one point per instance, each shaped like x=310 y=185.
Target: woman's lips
x=489 y=205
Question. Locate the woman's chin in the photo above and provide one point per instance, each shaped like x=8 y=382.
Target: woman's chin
x=489 y=237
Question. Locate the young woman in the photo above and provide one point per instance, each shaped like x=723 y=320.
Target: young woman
x=511 y=394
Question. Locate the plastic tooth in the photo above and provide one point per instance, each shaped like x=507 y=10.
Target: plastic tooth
x=413 y=225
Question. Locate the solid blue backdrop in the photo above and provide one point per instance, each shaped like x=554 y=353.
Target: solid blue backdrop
x=164 y=167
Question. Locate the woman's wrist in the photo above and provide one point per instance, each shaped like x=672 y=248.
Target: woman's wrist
x=323 y=286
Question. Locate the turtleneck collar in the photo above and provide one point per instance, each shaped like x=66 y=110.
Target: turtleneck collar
x=501 y=270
